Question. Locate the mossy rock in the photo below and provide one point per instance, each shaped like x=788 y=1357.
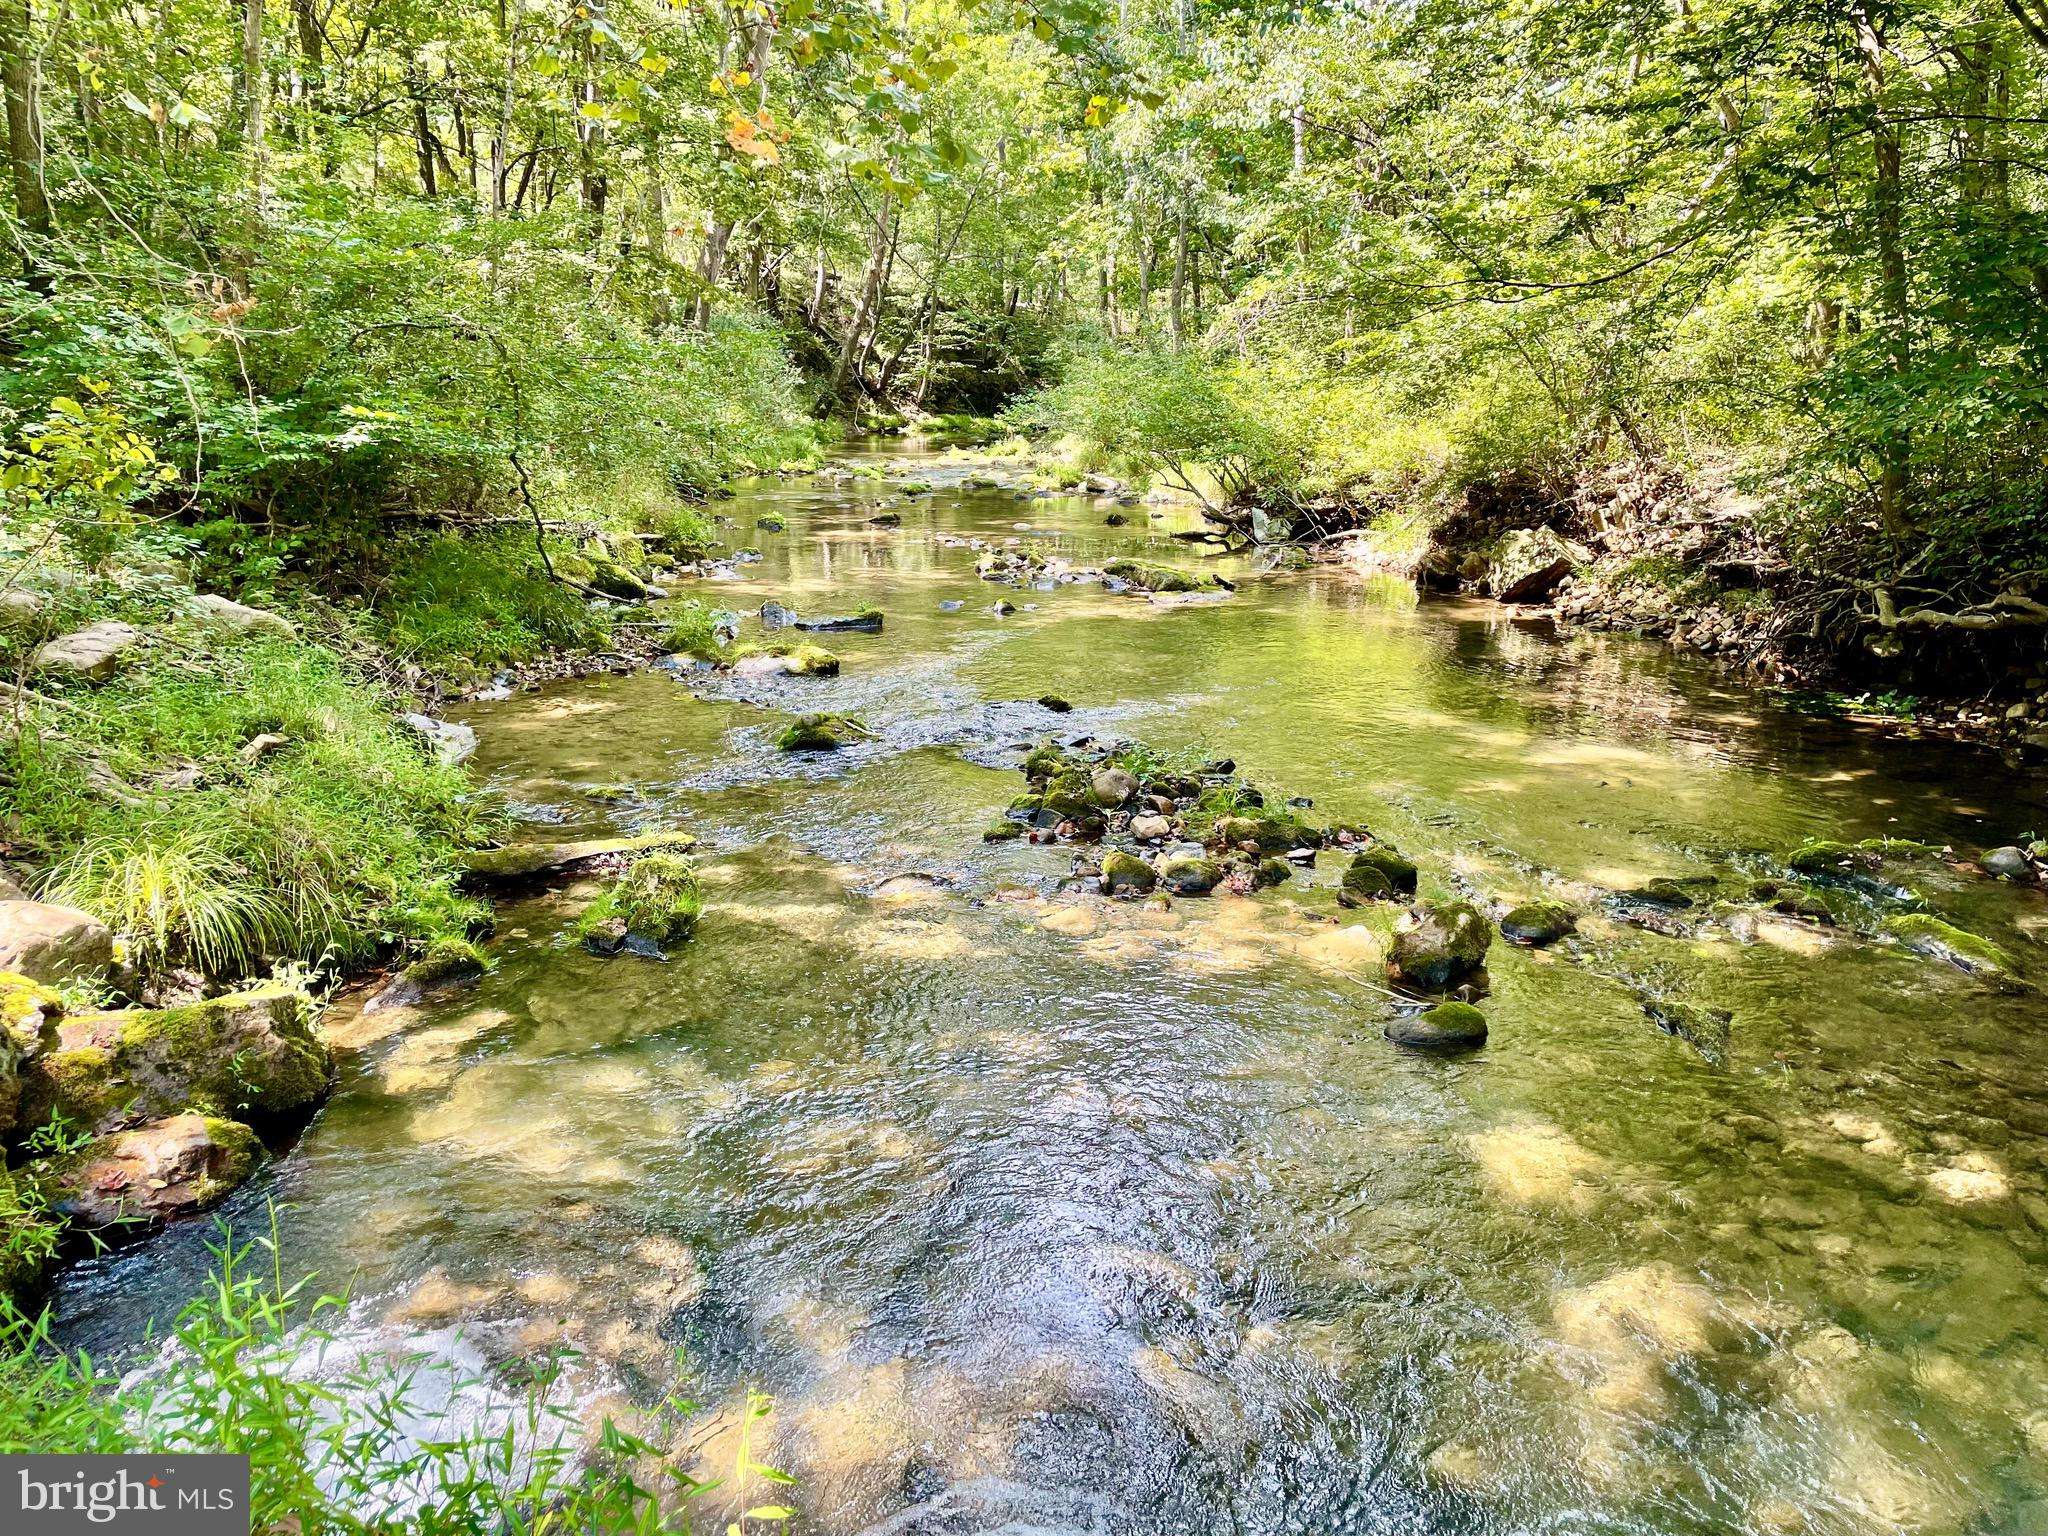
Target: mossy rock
x=1399 y=870
x=915 y=487
x=812 y=661
x=1928 y=935
x=1053 y=702
x=246 y=1053
x=1267 y=832
x=1438 y=945
x=1824 y=858
x=1044 y=761
x=819 y=733
x=1188 y=875
x=1536 y=923
x=1363 y=883
x=28 y=1011
x=772 y=522
x=1002 y=831
x=532 y=861
x=446 y=960
x=1662 y=892
x=1125 y=874
x=610 y=579
x=1070 y=794
x=1444 y=1027
x=654 y=904
x=1150 y=577
x=135 y=1180
x=1271 y=872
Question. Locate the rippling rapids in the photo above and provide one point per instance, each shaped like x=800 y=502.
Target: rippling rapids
x=1039 y=1213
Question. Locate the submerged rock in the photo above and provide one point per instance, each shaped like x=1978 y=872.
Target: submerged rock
x=1662 y=892
x=532 y=861
x=1930 y=936
x=45 y=942
x=1146 y=576
x=1054 y=702
x=867 y=621
x=1444 y=1027
x=1438 y=945
x=250 y=1052
x=1537 y=923
x=138 y=1179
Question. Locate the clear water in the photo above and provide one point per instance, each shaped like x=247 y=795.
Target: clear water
x=1039 y=1213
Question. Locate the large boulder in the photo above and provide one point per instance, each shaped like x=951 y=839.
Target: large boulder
x=225 y=613
x=1438 y=945
x=246 y=1053
x=92 y=653
x=450 y=743
x=1526 y=564
x=49 y=943
x=140 y=1178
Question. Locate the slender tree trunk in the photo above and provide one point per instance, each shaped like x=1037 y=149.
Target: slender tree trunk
x=1888 y=199
x=1176 y=323
x=870 y=297
x=24 y=132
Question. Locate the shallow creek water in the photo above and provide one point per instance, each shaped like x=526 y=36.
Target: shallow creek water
x=1035 y=1212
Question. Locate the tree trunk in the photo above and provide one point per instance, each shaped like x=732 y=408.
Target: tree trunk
x=24 y=132
x=1893 y=281
x=870 y=296
x=1176 y=322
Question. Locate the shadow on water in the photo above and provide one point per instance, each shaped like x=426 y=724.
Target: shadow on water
x=1040 y=1213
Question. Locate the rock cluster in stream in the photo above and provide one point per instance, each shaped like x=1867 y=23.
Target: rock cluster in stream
x=1021 y=567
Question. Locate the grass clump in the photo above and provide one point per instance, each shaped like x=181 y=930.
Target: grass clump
x=463 y=608
x=332 y=846
x=693 y=630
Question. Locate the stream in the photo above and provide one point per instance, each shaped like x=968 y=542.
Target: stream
x=1037 y=1212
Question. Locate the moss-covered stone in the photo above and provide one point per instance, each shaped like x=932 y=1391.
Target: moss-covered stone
x=1002 y=831
x=1444 y=1027
x=1271 y=872
x=446 y=960
x=1027 y=807
x=1148 y=576
x=1187 y=875
x=1265 y=831
x=1044 y=761
x=820 y=733
x=1125 y=874
x=1928 y=935
x=1363 y=883
x=654 y=904
x=813 y=661
x=246 y=1053
x=1536 y=923
x=1070 y=794
x=1399 y=870
x=1054 y=702
x=1820 y=857
x=137 y=1179
x=611 y=579
x=771 y=522
x=532 y=861
x=1438 y=945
